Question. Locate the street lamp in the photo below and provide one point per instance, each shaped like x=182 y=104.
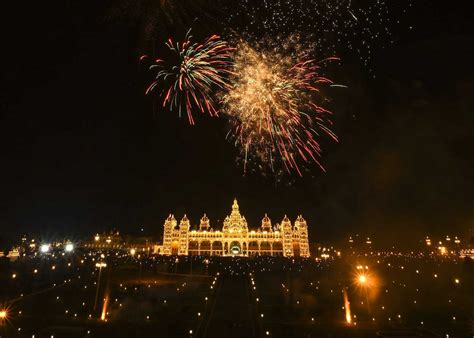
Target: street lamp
x=362 y=279
x=69 y=247
x=99 y=265
x=366 y=282
x=3 y=314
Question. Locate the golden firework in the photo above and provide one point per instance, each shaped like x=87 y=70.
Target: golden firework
x=273 y=102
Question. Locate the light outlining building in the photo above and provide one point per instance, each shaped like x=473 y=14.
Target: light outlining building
x=235 y=238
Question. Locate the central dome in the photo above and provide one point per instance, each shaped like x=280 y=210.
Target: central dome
x=235 y=223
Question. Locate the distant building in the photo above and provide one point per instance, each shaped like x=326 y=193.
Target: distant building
x=107 y=241
x=14 y=254
x=235 y=238
x=467 y=253
x=114 y=241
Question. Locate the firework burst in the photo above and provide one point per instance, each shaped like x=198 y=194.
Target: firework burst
x=273 y=103
x=189 y=83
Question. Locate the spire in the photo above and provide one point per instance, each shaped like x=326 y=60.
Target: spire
x=266 y=223
x=235 y=206
x=184 y=220
x=235 y=210
x=204 y=225
x=300 y=219
x=184 y=223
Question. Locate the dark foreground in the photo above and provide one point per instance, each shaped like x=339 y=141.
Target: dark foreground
x=402 y=296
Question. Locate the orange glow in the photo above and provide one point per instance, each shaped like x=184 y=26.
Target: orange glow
x=347 y=307
x=366 y=280
x=3 y=314
x=367 y=284
x=104 y=308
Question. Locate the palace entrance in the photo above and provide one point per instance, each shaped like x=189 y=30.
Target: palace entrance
x=235 y=249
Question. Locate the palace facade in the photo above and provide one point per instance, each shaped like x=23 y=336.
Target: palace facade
x=235 y=238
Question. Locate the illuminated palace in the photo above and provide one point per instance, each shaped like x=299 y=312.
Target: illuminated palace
x=235 y=238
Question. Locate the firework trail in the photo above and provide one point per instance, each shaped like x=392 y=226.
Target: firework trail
x=273 y=103
x=190 y=83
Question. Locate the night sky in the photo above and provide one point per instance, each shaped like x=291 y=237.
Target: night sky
x=84 y=150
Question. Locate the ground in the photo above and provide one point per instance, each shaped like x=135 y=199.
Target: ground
x=409 y=295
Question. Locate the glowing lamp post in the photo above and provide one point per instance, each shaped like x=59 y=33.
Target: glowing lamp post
x=99 y=265
x=44 y=248
x=366 y=282
x=69 y=247
x=3 y=314
x=362 y=280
